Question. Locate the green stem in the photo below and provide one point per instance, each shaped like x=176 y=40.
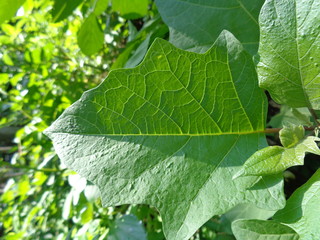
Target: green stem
x=314 y=115
x=276 y=130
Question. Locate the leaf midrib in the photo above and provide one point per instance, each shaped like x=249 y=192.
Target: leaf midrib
x=162 y=134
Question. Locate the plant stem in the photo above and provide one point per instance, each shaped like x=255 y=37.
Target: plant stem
x=314 y=115
x=276 y=130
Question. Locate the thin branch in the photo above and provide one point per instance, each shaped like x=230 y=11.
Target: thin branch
x=276 y=130
x=314 y=115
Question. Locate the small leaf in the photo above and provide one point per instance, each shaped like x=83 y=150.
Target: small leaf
x=275 y=159
x=291 y=135
x=8 y=9
x=63 y=8
x=194 y=25
x=90 y=36
x=262 y=230
x=289 y=52
x=131 y=9
x=302 y=209
x=128 y=227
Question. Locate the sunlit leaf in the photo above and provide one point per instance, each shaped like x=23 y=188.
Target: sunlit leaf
x=8 y=9
x=131 y=9
x=90 y=36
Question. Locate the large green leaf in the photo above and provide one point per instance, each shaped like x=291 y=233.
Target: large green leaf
x=8 y=9
x=289 y=52
x=262 y=230
x=171 y=133
x=301 y=212
x=194 y=24
x=275 y=159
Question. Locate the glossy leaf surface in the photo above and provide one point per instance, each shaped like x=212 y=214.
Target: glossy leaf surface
x=171 y=133
x=289 y=52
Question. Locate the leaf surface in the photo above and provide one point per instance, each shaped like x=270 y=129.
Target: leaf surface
x=243 y=211
x=194 y=25
x=8 y=9
x=275 y=159
x=90 y=35
x=289 y=52
x=302 y=209
x=171 y=133
x=262 y=230
x=131 y=9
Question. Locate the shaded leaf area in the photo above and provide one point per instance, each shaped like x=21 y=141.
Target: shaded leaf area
x=194 y=25
x=8 y=9
x=127 y=227
x=243 y=211
x=301 y=212
x=262 y=230
x=182 y=125
x=289 y=69
x=62 y=9
x=275 y=159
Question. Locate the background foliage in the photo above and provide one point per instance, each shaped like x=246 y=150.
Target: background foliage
x=50 y=53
